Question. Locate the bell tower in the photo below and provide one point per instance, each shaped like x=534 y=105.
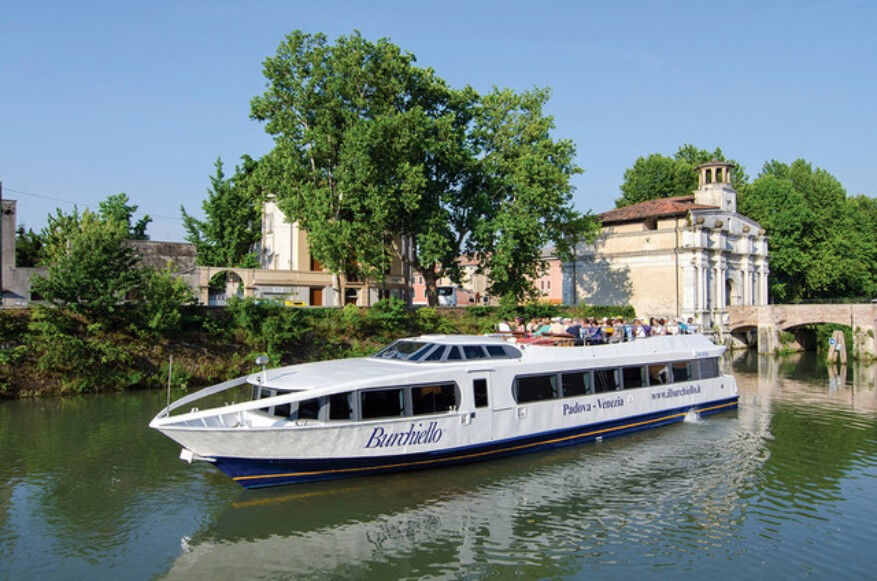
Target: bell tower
x=714 y=186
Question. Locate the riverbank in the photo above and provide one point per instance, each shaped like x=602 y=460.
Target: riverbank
x=46 y=352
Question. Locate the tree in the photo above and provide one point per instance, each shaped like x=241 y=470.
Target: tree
x=117 y=209
x=659 y=176
x=363 y=141
x=784 y=213
x=28 y=247
x=371 y=149
x=233 y=224
x=822 y=243
x=527 y=178
x=90 y=269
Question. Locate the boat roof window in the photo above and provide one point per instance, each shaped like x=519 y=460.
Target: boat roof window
x=408 y=350
x=404 y=350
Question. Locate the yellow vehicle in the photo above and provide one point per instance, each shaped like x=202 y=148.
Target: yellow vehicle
x=291 y=303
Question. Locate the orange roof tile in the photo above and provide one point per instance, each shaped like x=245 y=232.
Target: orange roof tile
x=657 y=208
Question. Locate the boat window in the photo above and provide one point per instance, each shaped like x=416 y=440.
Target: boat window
x=436 y=354
x=382 y=403
x=496 y=351
x=431 y=399
x=605 y=380
x=309 y=409
x=283 y=410
x=419 y=354
x=341 y=406
x=400 y=350
x=578 y=383
x=479 y=390
x=633 y=377
x=512 y=352
x=681 y=371
x=535 y=388
x=474 y=352
x=454 y=353
x=708 y=368
x=659 y=374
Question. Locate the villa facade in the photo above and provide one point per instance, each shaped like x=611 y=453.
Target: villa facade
x=682 y=257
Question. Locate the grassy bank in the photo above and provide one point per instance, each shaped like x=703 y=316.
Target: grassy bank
x=49 y=352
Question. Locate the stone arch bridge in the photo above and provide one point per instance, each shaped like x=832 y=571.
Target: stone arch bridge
x=769 y=320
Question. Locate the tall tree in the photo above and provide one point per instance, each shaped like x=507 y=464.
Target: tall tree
x=371 y=149
x=362 y=143
x=659 y=176
x=822 y=243
x=230 y=232
x=117 y=209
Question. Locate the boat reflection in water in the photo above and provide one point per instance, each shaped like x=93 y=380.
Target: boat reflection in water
x=750 y=487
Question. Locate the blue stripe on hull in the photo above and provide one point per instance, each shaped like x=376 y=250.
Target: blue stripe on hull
x=257 y=473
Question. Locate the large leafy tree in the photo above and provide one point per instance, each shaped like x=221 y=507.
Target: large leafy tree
x=371 y=149
x=352 y=124
x=230 y=232
x=117 y=209
x=659 y=176
x=822 y=243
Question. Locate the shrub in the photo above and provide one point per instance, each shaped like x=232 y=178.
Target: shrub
x=387 y=316
x=428 y=320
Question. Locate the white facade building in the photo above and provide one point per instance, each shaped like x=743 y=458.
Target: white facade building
x=683 y=257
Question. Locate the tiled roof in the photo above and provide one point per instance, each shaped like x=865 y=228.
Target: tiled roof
x=657 y=208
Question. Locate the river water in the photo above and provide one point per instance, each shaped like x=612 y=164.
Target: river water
x=784 y=487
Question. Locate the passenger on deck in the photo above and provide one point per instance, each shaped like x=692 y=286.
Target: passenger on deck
x=639 y=331
x=557 y=327
x=518 y=326
x=595 y=334
x=617 y=335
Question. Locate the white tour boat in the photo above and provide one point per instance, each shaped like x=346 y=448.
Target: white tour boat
x=438 y=400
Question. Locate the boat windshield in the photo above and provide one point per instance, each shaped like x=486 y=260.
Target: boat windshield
x=404 y=350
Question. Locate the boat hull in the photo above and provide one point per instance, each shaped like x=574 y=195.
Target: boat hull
x=259 y=473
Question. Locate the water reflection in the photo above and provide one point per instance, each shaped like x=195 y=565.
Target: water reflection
x=785 y=486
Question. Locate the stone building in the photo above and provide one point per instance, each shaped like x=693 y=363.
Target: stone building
x=682 y=257
x=15 y=290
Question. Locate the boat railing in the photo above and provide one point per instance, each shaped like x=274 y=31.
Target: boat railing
x=200 y=394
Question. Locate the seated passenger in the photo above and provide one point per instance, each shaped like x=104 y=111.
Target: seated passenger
x=504 y=327
x=595 y=334
x=639 y=331
x=617 y=335
x=518 y=326
x=557 y=328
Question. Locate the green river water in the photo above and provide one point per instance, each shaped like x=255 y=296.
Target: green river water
x=786 y=487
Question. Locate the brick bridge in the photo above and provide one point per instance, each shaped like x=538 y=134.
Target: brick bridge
x=768 y=320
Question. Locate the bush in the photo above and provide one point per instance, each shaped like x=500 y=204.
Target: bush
x=428 y=320
x=161 y=299
x=387 y=316
x=83 y=358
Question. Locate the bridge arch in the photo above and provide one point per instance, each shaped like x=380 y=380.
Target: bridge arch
x=771 y=319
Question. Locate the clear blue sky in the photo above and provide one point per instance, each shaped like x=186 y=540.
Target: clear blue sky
x=141 y=97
